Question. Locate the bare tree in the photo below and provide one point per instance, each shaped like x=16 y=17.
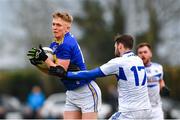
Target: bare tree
x=34 y=17
x=168 y=18
x=161 y=18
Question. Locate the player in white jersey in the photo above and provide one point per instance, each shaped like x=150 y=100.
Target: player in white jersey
x=156 y=83
x=132 y=81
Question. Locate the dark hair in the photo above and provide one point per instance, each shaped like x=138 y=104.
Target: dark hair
x=142 y=45
x=126 y=40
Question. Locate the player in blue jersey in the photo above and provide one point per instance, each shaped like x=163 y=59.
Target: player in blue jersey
x=83 y=96
x=131 y=76
x=156 y=83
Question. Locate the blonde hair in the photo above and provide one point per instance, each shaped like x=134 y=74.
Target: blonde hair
x=64 y=16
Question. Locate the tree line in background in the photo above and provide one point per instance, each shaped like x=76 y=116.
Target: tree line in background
x=96 y=42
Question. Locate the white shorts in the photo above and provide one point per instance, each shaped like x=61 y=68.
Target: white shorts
x=132 y=115
x=85 y=99
x=157 y=113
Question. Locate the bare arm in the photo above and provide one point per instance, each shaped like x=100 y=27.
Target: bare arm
x=161 y=83
x=164 y=90
x=61 y=62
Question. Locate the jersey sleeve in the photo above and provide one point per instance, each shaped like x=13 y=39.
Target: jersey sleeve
x=91 y=74
x=51 y=45
x=110 y=68
x=64 y=51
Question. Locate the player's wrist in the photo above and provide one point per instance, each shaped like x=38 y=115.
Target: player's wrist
x=57 y=71
x=35 y=62
x=165 y=91
x=41 y=55
x=44 y=57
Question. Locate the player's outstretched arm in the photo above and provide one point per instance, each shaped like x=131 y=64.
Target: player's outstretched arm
x=106 y=69
x=61 y=72
x=87 y=74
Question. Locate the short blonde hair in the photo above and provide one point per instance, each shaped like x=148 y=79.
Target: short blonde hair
x=63 y=15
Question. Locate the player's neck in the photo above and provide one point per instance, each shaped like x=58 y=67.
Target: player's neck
x=148 y=64
x=126 y=51
x=59 y=38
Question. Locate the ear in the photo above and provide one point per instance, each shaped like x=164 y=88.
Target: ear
x=119 y=46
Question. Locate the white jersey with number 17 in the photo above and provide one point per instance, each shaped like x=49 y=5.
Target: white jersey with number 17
x=132 y=81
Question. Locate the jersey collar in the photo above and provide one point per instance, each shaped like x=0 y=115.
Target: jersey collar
x=149 y=64
x=58 y=41
x=128 y=53
x=62 y=40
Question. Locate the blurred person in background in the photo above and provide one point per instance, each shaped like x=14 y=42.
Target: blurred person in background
x=2 y=109
x=83 y=98
x=35 y=101
x=156 y=83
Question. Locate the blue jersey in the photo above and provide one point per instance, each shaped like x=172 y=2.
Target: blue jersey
x=69 y=49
